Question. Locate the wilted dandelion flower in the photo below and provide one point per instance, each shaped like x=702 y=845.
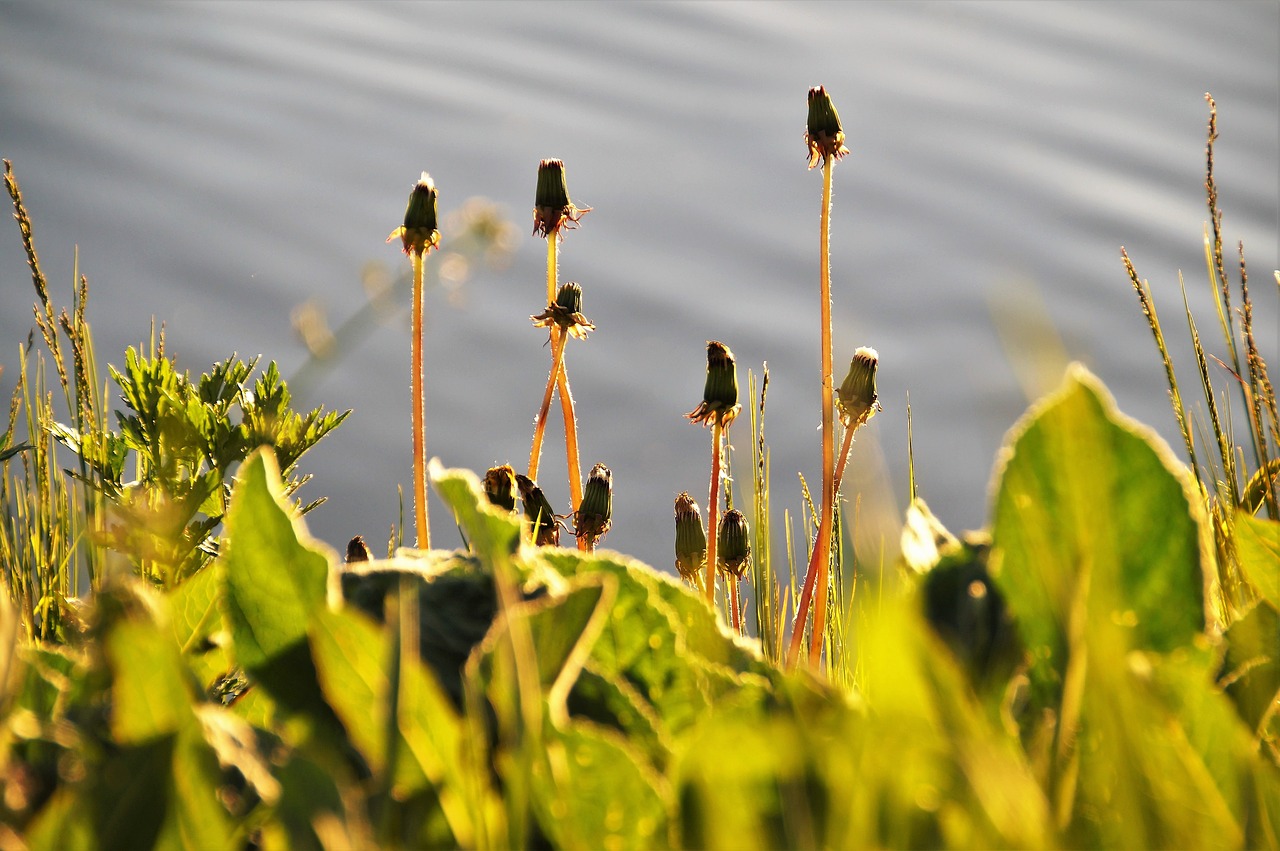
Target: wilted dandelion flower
x=824 y=135
x=691 y=539
x=420 y=231
x=720 y=393
x=552 y=209
x=566 y=311
x=595 y=515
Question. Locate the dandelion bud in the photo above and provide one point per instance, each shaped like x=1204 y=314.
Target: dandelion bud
x=857 y=395
x=419 y=233
x=357 y=550
x=720 y=393
x=566 y=311
x=595 y=513
x=552 y=209
x=691 y=540
x=500 y=487
x=538 y=511
x=824 y=135
x=734 y=543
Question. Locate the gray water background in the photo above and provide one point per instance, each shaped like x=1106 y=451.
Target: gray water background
x=218 y=163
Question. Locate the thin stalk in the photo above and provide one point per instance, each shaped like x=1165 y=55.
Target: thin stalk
x=558 y=341
x=817 y=574
x=734 y=605
x=570 y=434
x=419 y=438
x=713 y=513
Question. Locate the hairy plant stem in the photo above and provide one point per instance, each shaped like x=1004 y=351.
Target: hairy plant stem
x=817 y=573
x=734 y=603
x=419 y=438
x=713 y=513
x=558 y=379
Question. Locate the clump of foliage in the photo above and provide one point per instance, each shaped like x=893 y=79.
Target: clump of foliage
x=1099 y=667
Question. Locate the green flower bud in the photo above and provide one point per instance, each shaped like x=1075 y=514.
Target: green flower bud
x=857 y=395
x=595 y=513
x=500 y=487
x=720 y=393
x=552 y=209
x=734 y=543
x=691 y=539
x=538 y=511
x=420 y=231
x=566 y=312
x=824 y=135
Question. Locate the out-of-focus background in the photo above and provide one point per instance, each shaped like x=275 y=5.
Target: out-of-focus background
x=219 y=164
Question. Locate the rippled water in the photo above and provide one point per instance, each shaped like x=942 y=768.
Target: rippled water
x=217 y=163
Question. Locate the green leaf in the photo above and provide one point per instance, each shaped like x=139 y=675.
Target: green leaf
x=275 y=576
x=492 y=532
x=1258 y=548
x=1095 y=529
x=1251 y=668
x=599 y=793
x=149 y=696
x=197 y=624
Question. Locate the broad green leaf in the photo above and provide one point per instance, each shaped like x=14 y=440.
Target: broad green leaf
x=197 y=623
x=492 y=533
x=149 y=694
x=1258 y=547
x=596 y=792
x=275 y=576
x=1251 y=668
x=1095 y=530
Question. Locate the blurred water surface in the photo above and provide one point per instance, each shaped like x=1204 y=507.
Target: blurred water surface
x=218 y=163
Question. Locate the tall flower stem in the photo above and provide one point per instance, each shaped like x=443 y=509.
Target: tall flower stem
x=570 y=434
x=818 y=564
x=419 y=412
x=540 y=423
x=713 y=513
x=734 y=604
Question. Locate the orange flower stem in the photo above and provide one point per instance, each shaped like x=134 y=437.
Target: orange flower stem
x=713 y=512
x=419 y=437
x=558 y=341
x=734 y=603
x=817 y=573
x=570 y=438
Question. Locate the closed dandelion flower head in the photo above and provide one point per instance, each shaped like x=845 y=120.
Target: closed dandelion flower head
x=734 y=544
x=566 y=311
x=500 y=487
x=857 y=398
x=539 y=513
x=419 y=233
x=823 y=135
x=720 y=393
x=553 y=212
x=691 y=539
x=595 y=514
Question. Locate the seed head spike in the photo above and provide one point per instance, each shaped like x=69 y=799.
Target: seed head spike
x=595 y=514
x=691 y=539
x=419 y=233
x=500 y=486
x=720 y=393
x=857 y=397
x=553 y=212
x=734 y=543
x=824 y=135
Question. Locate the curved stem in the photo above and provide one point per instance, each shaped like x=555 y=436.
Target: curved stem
x=713 y=515
x=817 y=573
x=558 y=341
x=570 y=437
x=419 y=437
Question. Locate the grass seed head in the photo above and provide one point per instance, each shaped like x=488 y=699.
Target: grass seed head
x=691 y=539
x=420 y=232
x=857 y=397
x=824 y=135
x=734 y=542
x=595 y=514
x=500 y=487
x=720 y=393
x=553 y=212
